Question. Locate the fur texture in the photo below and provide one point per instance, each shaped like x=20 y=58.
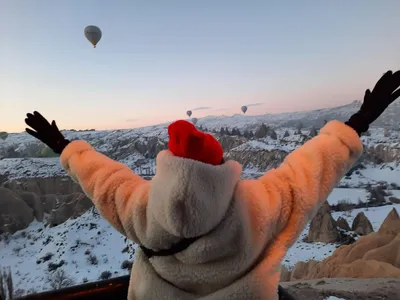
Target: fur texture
x=246 y=226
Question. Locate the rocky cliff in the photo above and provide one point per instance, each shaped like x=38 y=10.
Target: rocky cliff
x=373 y=255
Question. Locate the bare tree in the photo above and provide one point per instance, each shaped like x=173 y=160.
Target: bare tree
x=6 y=284
x=2 y=288
x=59 y=279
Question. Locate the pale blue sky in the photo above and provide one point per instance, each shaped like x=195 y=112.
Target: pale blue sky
x=159 y=58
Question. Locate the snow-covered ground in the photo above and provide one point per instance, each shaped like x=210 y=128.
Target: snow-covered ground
x=388 y=173
x=350 y=195
x=375 y=214
x=89 y=246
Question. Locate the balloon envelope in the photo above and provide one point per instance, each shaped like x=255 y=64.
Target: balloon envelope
x=3 y=135
x=244 y=109
x=189 y=113
x=194 y=121
x=93 y=34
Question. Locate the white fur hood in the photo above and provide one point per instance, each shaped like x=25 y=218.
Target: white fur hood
x=189 y=198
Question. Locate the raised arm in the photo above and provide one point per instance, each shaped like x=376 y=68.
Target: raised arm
x=308 y=174
x=119 y=194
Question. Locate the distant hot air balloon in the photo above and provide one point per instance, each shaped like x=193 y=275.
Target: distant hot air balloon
x=194 y=121
x=244 y=109
x=189 y=113
x=93 y=34
x=3 y=135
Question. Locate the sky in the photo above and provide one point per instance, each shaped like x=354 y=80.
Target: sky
x=157 y=59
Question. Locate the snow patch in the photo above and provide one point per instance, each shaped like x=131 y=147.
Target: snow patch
x=349 y=195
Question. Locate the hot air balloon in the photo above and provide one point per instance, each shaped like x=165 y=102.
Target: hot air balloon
x=93 y=34
x=244 y=109
x=3 y=135
x=194 y=121
x=189 y=113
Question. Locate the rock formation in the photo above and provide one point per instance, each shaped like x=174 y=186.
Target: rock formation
x=323 y=227
x=286 y=134
x=371 y=256
x=33 y=201
x=230 y=142
x=343 y=224
x=285 y=274
x=70 y=206
x=361 y=225
x=391 y=224
x=263 y=159
x=24 y=200
x=15 y=214
x=262 y=131
x=44 y=186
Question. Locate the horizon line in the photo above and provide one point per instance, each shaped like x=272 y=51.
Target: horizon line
x=244 y=115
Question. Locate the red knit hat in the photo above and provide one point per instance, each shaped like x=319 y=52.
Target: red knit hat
x=187 y=142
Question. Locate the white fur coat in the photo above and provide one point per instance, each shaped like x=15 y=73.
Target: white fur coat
x=247 y=225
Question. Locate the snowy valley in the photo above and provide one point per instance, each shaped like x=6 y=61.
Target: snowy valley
x=55 y=229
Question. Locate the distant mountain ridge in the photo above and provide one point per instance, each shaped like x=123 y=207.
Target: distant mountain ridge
x=311 y=118
x=143 y=143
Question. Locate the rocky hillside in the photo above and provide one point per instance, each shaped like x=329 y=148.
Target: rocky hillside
x=257 y=150
x=315 y=118
x=147 y=141
x=31 y=171
x=45 y=215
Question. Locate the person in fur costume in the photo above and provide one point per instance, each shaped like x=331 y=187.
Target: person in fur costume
x=203 y=232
